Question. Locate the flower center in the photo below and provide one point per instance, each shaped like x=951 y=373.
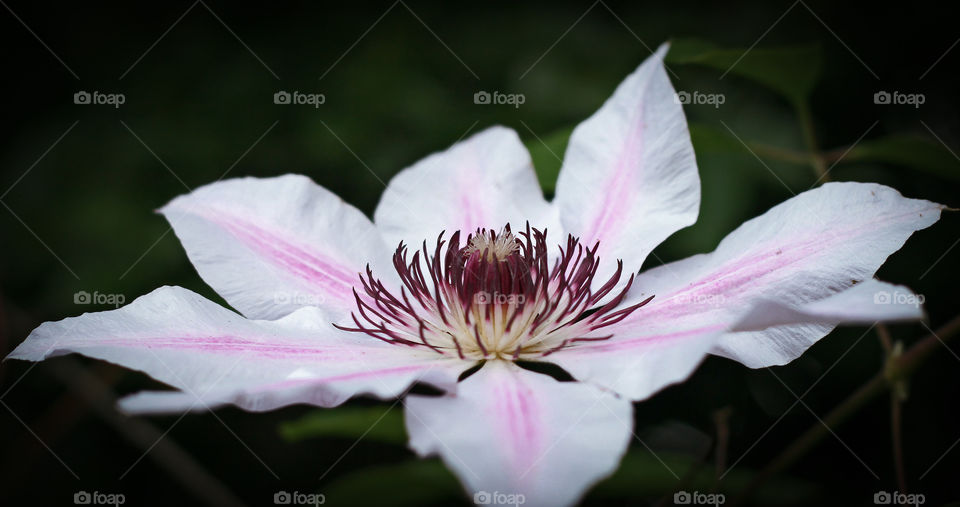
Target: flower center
x=495 y=297
x=492 y=246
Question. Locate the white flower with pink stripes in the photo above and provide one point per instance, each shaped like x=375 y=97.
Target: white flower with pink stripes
x=487 y=272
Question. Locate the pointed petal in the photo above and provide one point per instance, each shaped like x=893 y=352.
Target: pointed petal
x=485 y=181
x=865 y=303
x=643 y=356
x=510 y=431
x=813 y=246
x=216 y=356
x=270 y=246
x=629 y=177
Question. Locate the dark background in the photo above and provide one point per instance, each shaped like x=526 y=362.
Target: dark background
x=199 y=104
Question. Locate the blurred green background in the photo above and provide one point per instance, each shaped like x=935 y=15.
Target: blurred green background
x=80 y=183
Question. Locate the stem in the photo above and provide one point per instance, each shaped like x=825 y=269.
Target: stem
x=810 y=138
x=169 y=456
x=897 y=434
x=777 y=153
x=885 y=340
x=897 y=396
x=899 y=368
x=721 y=419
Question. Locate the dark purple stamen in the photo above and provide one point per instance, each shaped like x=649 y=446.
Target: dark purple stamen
x=473 y=296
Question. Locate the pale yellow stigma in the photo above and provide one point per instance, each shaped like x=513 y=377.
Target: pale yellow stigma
x=498 y=246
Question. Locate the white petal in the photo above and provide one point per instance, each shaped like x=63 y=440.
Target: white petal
x=802 y=251
x=643 y=356
x=216 y=356
x=270 y=246
x=509 y=431
x=629 y=177
x=485 y=181
x=865 y=303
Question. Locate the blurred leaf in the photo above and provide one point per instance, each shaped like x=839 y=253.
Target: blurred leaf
x=773 y=398
x=677 y=437
x=707 y=138
x=547 y=154
x=910 y=151
x=641 y=476
x=418 y=482
x=792 y=71
x=375 y=423
x=710 y=139
x=645 y=476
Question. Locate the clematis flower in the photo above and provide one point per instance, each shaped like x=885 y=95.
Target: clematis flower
x=466 y=264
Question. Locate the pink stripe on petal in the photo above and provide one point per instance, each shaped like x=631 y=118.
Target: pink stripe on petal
x=227 y=344
x=324 y=274
x=619 y=188
x=519 y=432
x=643 y=341
x=360 y=375
x=734 y=282
x=517 y=412
x=743 y=278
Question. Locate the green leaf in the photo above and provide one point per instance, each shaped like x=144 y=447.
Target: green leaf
x=909 y=151
x=414 y=483
x=792 y=71
x=547 y=154
x=645 y=476
x=710 y=139
x=641 y=477
x=376 y=423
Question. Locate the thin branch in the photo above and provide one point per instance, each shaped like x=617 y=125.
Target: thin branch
x=885 y=340
x=896 y=430
x=165 y=452
x=897 y=397
x=809 y=137
x=777 y=153
x=898 y=369
x=721 y=419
